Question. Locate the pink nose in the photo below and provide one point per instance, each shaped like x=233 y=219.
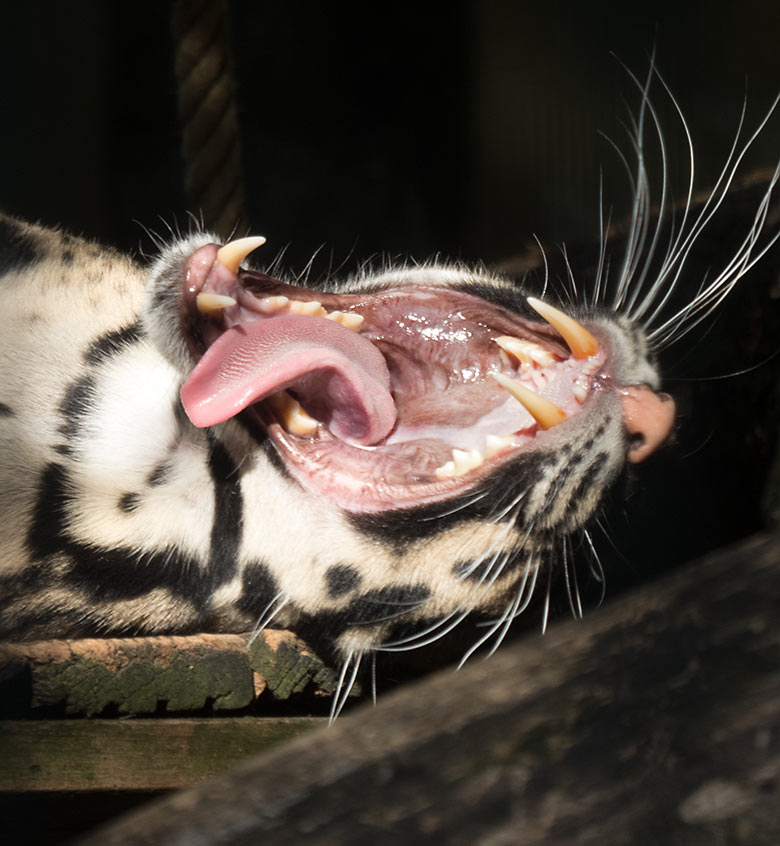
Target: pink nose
x=649 y=418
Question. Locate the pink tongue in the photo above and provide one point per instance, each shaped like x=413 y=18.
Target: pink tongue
x=339 y=377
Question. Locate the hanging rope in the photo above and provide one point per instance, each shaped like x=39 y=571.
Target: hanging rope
x=207 y=112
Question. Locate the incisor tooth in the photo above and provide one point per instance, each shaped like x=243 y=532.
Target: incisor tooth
x=581 y=343
x=290 y=414
x=494 y=444
x=526 y=352
x=209 y=303
x=234 y=252
x=546 y=413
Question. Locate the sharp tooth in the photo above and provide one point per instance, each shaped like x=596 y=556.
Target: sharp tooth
x=581 y=343
x=335 y=315
x=526 y=352
x=446 y=471
x=272 y=305
x=209 y=303
x=290 y=414
x=466 y=461
x=494 y=444
x=546 y=413
x=234 y=252
x=462 y=462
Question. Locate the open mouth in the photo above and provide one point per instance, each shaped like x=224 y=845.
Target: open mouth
x=390 y=398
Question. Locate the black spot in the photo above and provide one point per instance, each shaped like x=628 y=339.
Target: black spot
x=18 y=247
x=158 y=476
x=382 y=604
x=111 y=343
x=228 y=515
x=120 y=573
x=47 y=528
x=589 y=477
x=341 y=579
x=67 y=256
x=75 y=405
x=258 y=588
x=128 y=502
x=6 y=410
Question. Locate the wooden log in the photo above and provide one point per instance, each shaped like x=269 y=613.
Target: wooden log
x=153 y=754
x=133 y=675
x=149 y=675
x=656 y=721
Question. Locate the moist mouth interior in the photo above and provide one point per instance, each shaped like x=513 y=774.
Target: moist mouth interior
x=381 y=399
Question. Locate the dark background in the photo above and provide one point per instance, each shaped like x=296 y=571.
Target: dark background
x=455 y=128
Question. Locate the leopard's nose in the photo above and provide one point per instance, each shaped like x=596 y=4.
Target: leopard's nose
x=649 y=419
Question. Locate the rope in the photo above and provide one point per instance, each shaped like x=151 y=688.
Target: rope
x=208 y=116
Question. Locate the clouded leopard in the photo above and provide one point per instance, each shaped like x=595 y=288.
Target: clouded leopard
x=200 y=445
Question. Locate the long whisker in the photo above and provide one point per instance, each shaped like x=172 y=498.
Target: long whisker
x=343 y=690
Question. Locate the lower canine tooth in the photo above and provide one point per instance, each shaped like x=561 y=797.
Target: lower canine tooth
x=209 y=303
x=546 y=413
x=290 y=414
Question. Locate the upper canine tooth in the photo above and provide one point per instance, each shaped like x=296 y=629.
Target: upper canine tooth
x=210 y=303
x=233 y=253
x=581 y=343
x=546 y=413
x=526 y=352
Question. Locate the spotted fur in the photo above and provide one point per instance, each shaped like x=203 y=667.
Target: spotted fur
x=119 y=516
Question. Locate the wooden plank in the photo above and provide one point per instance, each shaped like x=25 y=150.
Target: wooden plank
x=654 y=721
x=149 y=754
x=154 y=675
x=133 y=675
